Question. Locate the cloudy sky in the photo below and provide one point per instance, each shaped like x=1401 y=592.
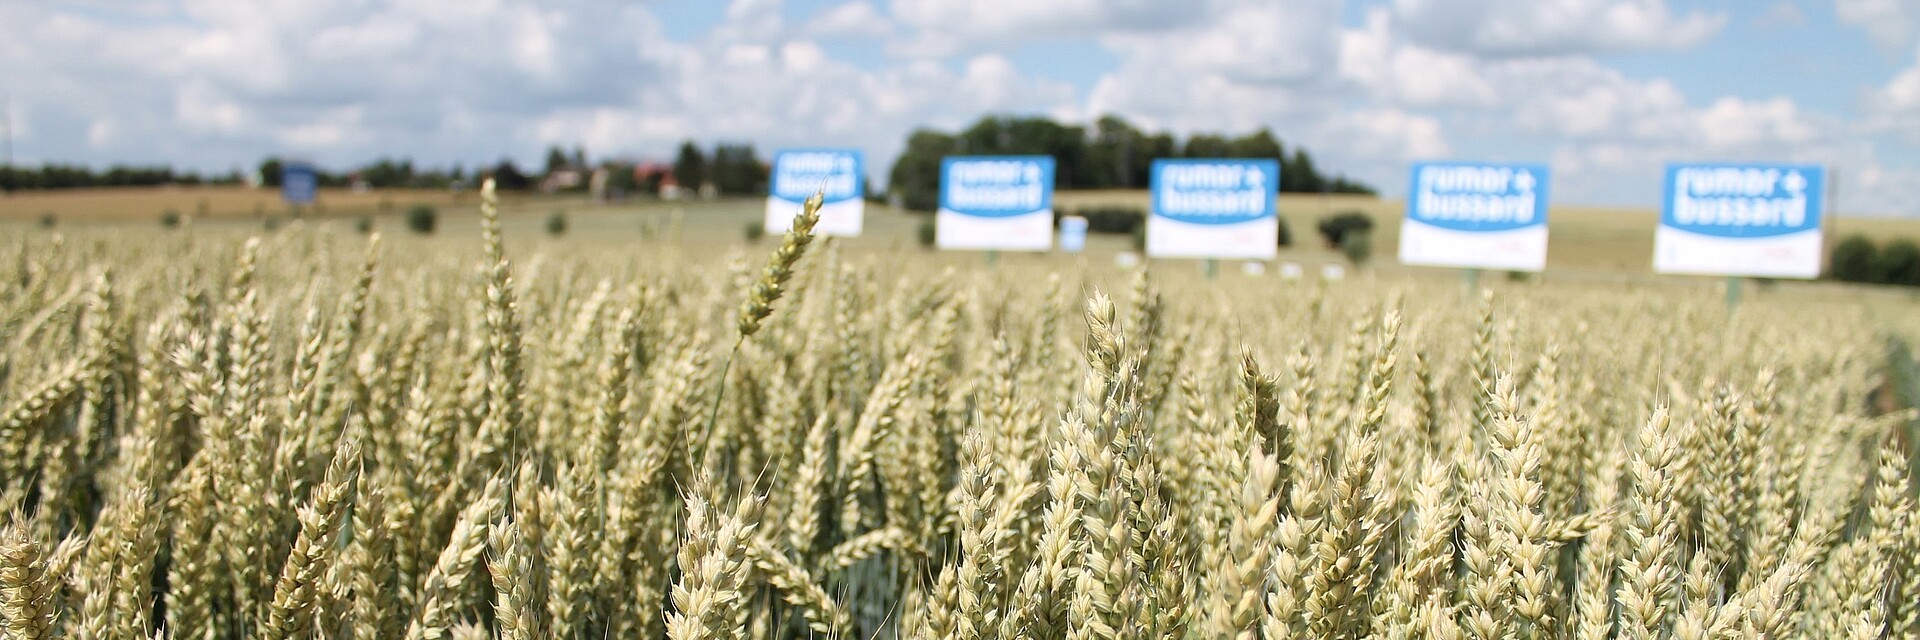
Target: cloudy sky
x=1605 y=91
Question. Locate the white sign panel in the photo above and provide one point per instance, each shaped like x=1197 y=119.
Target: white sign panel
x=835 y=173
x=1073 y=234
x=1742 y=220
x=1476 y=215
x=995 y=202
x=1214 y=208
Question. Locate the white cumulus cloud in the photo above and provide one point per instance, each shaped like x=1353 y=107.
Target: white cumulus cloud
x=1893 y=24
x=950 y=26
x=1894 y=108
x=856 y=19
x=1554 y=27
x=211 y=84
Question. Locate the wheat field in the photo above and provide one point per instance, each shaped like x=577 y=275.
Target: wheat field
x=306 y=435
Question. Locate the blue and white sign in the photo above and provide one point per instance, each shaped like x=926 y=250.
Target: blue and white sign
x=1073 y=234
x=298 y=183
x=1741 y=220
x=1214 y=208
x=1476 y=215
x=995 y=202
x=799 y=173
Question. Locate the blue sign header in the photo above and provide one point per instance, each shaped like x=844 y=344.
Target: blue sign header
x=1743 y=200
x=798 y=173
x=996 y=186
x=298 y=183
x=1215 y=191
x=1478 y=197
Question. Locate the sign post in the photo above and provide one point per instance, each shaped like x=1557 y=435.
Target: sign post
x=1741 y=220
x=1476 y=215
x=299 y=184
x=995 y=203
x=835 y=173
x=1214 y=208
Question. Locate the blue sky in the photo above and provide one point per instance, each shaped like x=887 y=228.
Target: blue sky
x=1604 y=91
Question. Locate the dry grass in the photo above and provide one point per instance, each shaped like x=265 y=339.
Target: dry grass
x=314 y=435
x=1584 y=239
x=146 y=204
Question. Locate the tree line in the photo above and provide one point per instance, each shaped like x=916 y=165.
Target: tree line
x=1112 y=154
x=64 y=176
x=1859 y=259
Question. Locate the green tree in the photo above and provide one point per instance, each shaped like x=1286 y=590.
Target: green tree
x=915 y=176
x=270 y=172
x=386 y=173
x=507 y=177
x=1023 y=136
x=1153 y=147
x=1898 y=263
x=619 y=177
x=1259 y=144
x=1298 y=175
x=1110 y=155
x=738 y=170
x=1341 y=184
x=556 y=159
x=690 y=168
x=1207 y=146
x=1853 y=260
x=1113 y=153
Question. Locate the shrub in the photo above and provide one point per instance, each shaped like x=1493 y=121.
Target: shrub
x=557 y=224
x=1334 y=228
x=170 y=219
x=753 y=232
x=364 y=225
x=1139 y=238
x=1853 y=260
x=1113 y=219
x=1898 y=263
x=1357 y=246
x=422 y=219
x=927 y=233
x=46 y=220
x=1286 y=234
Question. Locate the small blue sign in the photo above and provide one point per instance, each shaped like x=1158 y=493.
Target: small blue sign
x=1478 y=197
x=298 y=183
x=996 y=186
x=1073 y=234
x=835 y=173
x=1215 y=191
x=1743 y=200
